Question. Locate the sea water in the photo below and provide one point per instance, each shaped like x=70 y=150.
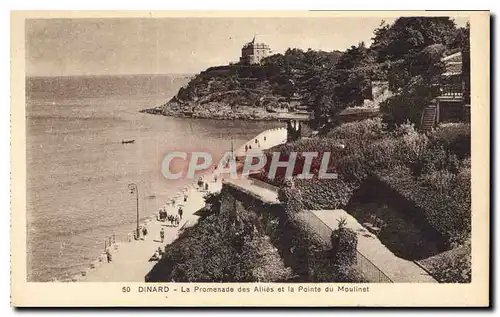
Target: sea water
x=78 y=169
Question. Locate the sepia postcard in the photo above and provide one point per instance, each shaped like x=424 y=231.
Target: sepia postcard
x=293 y=158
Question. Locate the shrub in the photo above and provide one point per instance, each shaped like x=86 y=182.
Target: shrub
x=344 y=245
x=401 y=108
x=452 y=266
x=263 y=261
x=436 y=158
x=448 y=210
x=404 y=129
x=363 y=130
x=454 y=137
x=223 y=249
x=324 y=193
x=440 y=180
x=290 y=197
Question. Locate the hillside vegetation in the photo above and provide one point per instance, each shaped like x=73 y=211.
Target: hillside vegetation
x=405 y=55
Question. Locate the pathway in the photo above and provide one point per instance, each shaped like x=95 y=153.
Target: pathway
x=130 y=260
x=397 y=269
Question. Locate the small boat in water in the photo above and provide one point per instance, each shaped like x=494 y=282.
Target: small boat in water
x=128 y=141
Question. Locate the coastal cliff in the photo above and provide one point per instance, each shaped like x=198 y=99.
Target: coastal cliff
x=280 y=85
x=232 y=92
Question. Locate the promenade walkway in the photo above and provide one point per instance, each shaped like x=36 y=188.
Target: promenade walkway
x=323 y=222
x=272 y=138
x=130 y=260
x=397 y=269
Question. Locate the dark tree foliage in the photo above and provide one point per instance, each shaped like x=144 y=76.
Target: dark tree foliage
x=354 y=71
x=222 y=248
x=410 y=52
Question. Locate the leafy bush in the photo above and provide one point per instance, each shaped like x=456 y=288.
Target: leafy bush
x=361 y=130
x=290 y=197
x=223 y=249
x=324 y=193
x=452 y=266
x=454 y=137
x=436 y=158
x=399 y=109
x=263 y=261
x=404 y=129
x=448 y=210
x=344 y=245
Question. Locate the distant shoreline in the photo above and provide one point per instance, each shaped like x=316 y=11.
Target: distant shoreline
x=243 y=115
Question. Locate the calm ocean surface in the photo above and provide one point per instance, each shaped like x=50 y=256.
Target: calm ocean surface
x=78 y=169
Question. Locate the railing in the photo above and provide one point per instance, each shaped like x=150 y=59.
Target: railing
x=453 y=91
x=109 y=241
x=370 y=271
x=363 y=265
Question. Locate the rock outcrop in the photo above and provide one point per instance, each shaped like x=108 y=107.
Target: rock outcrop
x=230 y=92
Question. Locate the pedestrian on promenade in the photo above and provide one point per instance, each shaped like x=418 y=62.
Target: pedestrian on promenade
x=108 y=256
x=162 y=235
x=206 y=186
x=264 y=139
x=256 y=141
x=215 y=178
x=180 y=212
x=185 y=198
x=246 y=148
x=160 y=252
x=144 y=231
x=177 y=220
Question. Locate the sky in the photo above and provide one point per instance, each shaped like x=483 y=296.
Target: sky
x=118 y=46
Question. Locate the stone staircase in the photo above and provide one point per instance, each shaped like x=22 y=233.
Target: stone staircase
x=428 y=120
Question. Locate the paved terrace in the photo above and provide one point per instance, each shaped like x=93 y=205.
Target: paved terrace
x=325 y=221
x=130 y=260
x=397 y=269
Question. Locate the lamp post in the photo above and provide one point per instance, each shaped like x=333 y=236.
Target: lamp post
x=133 y=189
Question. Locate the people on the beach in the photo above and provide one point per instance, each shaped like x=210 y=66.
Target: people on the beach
x=162 y=214
x=156 y=256
x=172 y=220
x=109 y=256
x=162 y=235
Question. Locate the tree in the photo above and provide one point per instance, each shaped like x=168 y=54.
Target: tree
x=354 y=71
x=411 y=51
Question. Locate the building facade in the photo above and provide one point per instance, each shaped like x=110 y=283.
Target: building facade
x=253 y=53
